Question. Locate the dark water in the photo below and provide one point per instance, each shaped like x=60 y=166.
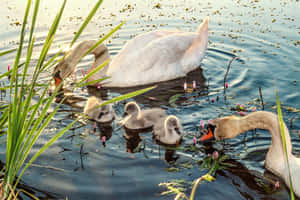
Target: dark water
x=264 y=35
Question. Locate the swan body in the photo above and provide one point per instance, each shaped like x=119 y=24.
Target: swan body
x=136 y=119
x=230 y=127
x=168 y=131
x=148 y=58
x=103 y=114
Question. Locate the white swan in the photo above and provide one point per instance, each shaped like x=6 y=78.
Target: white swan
x=148 y=58
x=230 y=127
x=103 y=114
x=168 y=130
x=135 y=118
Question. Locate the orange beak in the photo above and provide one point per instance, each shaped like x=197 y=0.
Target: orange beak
x=207 y=136
x=57 y=81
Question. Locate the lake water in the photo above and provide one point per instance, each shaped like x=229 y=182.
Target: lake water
x=263 y=34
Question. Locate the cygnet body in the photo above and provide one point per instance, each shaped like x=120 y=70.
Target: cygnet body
x=168 y=131
x=137 y=119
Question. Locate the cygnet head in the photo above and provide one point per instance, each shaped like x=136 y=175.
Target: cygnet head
x=131 y=108
x=101 y=114
x=173 y=130
x=106 y=114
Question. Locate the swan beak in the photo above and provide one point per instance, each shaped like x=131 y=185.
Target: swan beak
x=57 y=79
x=208 y=135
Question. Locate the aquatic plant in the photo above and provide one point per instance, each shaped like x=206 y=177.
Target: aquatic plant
x=214 y=162
x=24 y=120
x=178 y=187
x=284 y=143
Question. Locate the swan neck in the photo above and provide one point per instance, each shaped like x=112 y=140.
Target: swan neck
x=267 y=121
x=81 y=49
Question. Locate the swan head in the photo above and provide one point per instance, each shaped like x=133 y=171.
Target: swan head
x=62 y=70
x=226 y=127
x=69 y=63
x=173 y=131
x=222 y=128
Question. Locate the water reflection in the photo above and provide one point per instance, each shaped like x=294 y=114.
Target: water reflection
x=249 y=183
x=159 y=96
x=134 y=144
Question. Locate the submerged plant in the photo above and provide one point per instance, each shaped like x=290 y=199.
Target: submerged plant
x=23 y=119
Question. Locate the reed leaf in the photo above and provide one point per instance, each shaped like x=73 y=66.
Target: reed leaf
x=284 y=143
x=7 y=52
x=86 y=21
x=33 y=22
x=126 y=96
x=94 y=81
x=104 y=38
x=92 y=72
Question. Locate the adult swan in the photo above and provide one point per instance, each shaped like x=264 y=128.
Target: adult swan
x=230 y=127
x=148 y=58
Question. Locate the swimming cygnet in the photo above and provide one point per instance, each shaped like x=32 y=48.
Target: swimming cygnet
x=137 y=119
x=103 y=114
x=168 y=130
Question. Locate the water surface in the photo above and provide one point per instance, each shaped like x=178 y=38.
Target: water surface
x=264 y=35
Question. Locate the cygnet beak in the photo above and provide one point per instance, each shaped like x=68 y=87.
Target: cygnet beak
x=125 y=114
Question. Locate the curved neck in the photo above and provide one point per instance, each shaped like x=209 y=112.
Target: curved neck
x=101 y=54
x=267 y=121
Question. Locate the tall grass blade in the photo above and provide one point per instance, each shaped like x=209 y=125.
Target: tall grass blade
x=50 y=142
x=86 y=21
x=126 y=96
x=7 y=52
x=104 y=38
x=33 y=22
x=92 y=73
x=284 y=143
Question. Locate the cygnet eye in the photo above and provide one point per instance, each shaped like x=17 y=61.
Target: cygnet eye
x=100 y=115
x=177 y=131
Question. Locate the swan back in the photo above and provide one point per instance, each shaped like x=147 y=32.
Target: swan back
x=101 y=114
x=168 y=131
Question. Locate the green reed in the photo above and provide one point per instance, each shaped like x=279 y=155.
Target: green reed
x=281 y=122
x=21 y=118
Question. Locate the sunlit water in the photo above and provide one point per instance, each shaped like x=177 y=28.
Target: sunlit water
x=263 y=34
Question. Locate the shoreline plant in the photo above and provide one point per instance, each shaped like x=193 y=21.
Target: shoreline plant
x=24 y=120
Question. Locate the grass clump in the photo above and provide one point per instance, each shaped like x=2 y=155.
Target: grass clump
x=22 y=119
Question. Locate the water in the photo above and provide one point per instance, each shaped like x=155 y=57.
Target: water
x=262 y=34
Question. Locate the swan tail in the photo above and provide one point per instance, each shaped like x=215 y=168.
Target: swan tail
x=203 y=28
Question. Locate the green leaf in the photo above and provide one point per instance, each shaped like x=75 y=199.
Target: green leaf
x=284 y=143
x=86 y=21
x=7 y=52
x=173 y=99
